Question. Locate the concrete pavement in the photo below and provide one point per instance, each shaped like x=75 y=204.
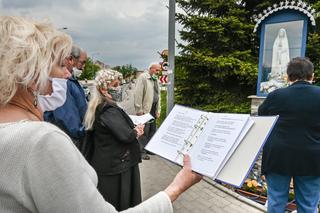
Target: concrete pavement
x=204 y=197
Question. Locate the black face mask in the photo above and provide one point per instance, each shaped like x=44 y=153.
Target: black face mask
x=116 y=94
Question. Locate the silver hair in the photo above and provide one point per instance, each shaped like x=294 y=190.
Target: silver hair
x=76 y=51
x=153 y=63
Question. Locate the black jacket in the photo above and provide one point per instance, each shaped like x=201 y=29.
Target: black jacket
x=116 y=148
x=293 y=147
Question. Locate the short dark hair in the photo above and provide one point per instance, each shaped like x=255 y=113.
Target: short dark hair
x=300 y=69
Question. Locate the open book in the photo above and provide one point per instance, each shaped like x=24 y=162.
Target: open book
x=212 y=140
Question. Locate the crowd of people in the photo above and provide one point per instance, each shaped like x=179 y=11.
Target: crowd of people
x=44 y=116
x=43 y=170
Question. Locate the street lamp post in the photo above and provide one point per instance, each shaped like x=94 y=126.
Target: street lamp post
x=171 y=57
x=94 y=54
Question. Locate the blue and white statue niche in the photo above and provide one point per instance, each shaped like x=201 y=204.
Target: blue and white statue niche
x=277 y=78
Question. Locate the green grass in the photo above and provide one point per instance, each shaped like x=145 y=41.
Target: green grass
x=163 y=108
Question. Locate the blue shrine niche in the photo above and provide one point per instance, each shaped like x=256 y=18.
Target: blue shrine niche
x=283 y=36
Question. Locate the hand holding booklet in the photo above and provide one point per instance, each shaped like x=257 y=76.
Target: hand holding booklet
x=221 y=145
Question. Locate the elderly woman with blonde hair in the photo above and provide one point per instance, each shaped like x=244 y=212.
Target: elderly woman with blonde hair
x=116 y=149
x=41 y=169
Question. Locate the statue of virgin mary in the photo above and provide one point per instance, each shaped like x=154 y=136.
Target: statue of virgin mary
x=280 y=60
x=280 y=55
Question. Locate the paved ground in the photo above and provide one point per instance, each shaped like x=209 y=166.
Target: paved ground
x=157 y=173
x=127 y=98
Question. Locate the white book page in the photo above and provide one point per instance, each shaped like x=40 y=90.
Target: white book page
x=141 y=119
x=243 y=133
x=169 y=138
x=216 y=141
x=240 y=163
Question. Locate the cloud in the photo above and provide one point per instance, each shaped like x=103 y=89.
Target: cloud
x=121 y=32
x=19 y=4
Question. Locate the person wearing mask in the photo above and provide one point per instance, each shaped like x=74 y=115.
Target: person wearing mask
x=69 y=117
x=58 y=83
x=116 y=149
x=42 y=170
x=80 y=58
x=147 y=100
x=293 y=147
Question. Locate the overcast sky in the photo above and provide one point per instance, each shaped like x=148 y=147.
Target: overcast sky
x=116 y=32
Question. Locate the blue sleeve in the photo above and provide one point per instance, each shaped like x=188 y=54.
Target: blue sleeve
x=77 y=92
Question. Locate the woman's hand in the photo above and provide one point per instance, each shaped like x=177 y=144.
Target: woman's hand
x=183 y=180
x=139 y=129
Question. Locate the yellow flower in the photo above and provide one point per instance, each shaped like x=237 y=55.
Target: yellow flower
x=249 y=184
x=254 y=183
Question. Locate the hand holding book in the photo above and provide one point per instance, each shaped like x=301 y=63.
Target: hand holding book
x=183 y=180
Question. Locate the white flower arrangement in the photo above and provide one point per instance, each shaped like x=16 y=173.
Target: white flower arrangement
x=105 y=77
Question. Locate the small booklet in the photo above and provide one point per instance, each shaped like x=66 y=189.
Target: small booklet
x=141 y=119
x=211 y=140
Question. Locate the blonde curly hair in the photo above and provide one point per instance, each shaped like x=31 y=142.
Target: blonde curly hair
x=28 y=49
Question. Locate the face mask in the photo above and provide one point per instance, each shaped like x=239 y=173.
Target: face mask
x=154 y=77
x=57 y=98
x=76 y=72
x=116 y=93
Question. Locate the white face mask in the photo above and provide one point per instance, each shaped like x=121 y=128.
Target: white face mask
x=57 y=98
x=76 y=72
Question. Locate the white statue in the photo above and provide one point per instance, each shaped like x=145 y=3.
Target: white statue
x=280 y=55
x=280 y=60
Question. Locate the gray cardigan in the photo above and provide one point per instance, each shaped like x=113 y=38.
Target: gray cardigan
x=42 y=171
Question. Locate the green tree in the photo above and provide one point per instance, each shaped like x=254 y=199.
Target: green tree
x=218 y=66
x=89 y=70
x=127 y=70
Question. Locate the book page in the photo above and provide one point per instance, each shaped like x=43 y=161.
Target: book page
x=217 y=139
x=240 y=163
x=176 y=128
x=243 y=133
x=141 y=119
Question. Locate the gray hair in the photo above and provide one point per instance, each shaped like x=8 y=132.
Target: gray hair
x=153 y=63
x=76 y=51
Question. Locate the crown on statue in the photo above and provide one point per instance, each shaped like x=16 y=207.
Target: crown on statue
x=283 y=5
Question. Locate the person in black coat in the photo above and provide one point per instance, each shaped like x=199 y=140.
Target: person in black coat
x=116 y=150
x=293 y=148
